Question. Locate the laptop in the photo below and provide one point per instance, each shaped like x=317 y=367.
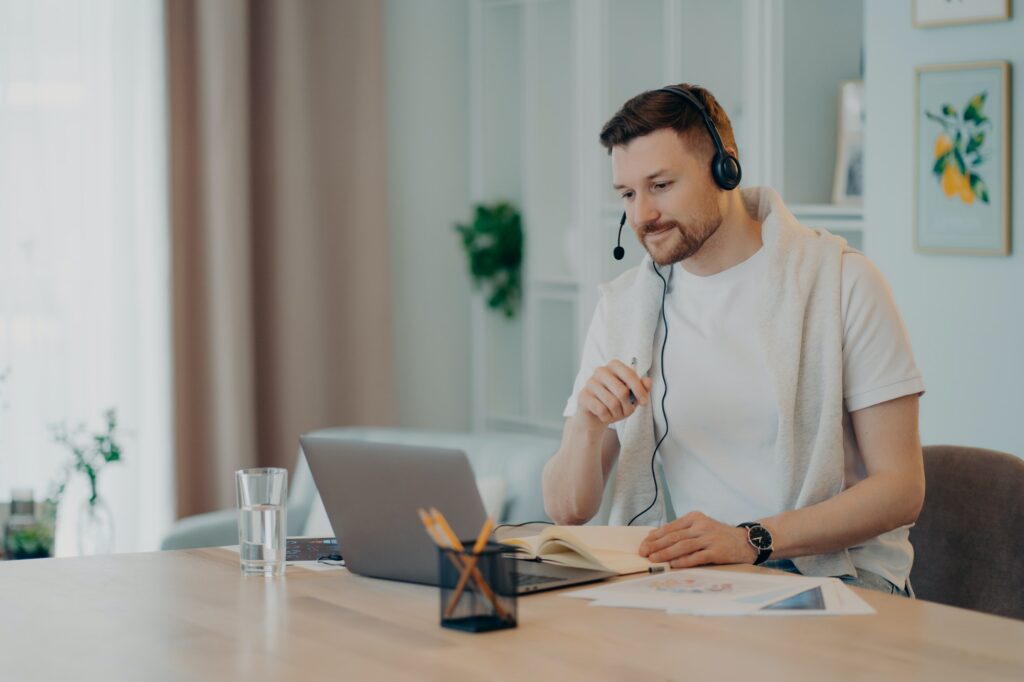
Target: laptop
x=371 y=492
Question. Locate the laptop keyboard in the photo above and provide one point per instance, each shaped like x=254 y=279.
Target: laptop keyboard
x=527 y=579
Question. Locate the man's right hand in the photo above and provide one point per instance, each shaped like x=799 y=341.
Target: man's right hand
x=604 y=399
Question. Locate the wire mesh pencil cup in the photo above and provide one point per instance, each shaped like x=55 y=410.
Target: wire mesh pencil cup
x=478 y=591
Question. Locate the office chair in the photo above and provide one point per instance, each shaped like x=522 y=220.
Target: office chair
x=969 y=539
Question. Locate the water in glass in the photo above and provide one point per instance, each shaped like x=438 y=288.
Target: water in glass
x=261 y=539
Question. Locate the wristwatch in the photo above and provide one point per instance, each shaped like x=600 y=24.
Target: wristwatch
x=760 y=538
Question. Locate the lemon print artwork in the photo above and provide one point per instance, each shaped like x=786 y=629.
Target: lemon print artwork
x=960 y=150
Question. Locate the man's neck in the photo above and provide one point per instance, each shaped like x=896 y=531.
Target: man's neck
x=737 y=239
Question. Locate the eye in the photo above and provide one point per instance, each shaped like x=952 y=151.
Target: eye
x=627 y=195
x=661 y=185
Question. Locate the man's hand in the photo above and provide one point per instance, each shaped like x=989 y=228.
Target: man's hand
x=604 y=399
x=696 y=540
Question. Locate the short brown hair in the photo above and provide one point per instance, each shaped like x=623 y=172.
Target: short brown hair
x=656 y=109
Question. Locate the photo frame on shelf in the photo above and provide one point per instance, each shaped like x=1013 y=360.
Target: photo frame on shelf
x=962 y=158
x=929 y=13
x=848 y=183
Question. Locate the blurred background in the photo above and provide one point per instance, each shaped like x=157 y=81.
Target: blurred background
x=230 y=222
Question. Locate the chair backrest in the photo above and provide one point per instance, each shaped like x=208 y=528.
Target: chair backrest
x=967 y=541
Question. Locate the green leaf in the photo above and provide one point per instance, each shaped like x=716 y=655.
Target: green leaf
x=494 y=249
x=979 y=187
x=960 y=163
x=975 y=142
x=940 y=164
x=938 y=119
x=948 y=110
x=973 y=111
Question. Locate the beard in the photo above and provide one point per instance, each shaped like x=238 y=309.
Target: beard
x=687 y=242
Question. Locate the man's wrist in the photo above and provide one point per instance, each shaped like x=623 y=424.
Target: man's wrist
x=587 y=425
x=760 y=540
x=750 y=554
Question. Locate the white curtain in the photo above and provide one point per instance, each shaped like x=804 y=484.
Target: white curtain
x=84 y=252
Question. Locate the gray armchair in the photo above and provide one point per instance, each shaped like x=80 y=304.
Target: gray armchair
x=220 y=528
x=967 y=540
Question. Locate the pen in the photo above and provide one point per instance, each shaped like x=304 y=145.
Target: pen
x=632 y=396
x=658 y=568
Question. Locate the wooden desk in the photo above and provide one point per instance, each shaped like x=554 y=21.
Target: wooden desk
x=190 y=615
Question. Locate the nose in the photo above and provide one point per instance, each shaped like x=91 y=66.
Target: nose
x=644 y=210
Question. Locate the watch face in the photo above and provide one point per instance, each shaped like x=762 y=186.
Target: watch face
x=760 y=537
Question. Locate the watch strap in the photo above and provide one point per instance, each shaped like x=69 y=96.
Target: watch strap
x=762 y=554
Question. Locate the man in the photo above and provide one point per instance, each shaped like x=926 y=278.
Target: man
x=785 y=397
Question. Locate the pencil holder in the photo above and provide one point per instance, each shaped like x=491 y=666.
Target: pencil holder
x=478 y=591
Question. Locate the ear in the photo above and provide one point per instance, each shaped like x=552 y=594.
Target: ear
x=732 y=151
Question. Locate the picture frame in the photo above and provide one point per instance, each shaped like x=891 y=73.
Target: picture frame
x=931 y=13
x=848 y=179
x=962 y=151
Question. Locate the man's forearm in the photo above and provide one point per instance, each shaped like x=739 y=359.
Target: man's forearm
x=874 y=506
x=573 y=481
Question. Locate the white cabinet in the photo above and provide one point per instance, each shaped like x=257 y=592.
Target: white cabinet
x=544 y=77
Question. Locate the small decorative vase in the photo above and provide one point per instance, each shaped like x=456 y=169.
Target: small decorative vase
x=95 y=527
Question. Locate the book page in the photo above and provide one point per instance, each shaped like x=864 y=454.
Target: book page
x=530 y=544
x=613 y=548
x=624 y=539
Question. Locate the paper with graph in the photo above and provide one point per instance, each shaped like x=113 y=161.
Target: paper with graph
x=714 y=592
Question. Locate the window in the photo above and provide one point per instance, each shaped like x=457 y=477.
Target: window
x=84 y=252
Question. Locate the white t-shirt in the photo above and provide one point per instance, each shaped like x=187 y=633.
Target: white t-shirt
x=719 y=454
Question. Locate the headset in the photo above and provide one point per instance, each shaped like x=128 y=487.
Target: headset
x=726 y=172
x=725 y=168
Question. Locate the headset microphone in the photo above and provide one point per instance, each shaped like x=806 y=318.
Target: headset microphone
x=619 y=253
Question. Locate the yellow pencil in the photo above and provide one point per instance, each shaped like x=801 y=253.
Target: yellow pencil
x=481 y=541
x=442 y=523
x=432 y=531
x=453 y=541
x=485 y=532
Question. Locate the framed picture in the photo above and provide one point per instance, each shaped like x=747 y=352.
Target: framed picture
x=962 y=158
x=848 y=183
x=950 y=12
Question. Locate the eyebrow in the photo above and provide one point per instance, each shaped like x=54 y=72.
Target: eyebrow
x=649 y=177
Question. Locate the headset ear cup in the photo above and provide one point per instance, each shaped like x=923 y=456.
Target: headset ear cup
x=726 y=171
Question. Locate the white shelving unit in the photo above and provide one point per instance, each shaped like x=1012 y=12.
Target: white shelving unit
x=545 y=76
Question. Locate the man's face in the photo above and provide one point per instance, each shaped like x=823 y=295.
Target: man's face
x=670 y=198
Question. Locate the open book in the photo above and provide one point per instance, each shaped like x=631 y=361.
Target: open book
x=608 y=548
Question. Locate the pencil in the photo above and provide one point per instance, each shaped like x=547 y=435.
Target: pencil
x=453 y=540
x=435 y=535
x=481 y=541
x=442 y=524
x=433 y=532
x=485 y=532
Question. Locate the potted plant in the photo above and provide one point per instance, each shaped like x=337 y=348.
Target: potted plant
x=494 y=246
x=90 y=454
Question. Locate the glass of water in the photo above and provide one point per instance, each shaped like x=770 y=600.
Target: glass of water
x=262 y=498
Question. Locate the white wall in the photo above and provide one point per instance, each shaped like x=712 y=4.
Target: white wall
x=427 y=47
x=965 y=314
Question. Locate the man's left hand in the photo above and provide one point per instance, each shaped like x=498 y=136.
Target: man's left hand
x=697 y=539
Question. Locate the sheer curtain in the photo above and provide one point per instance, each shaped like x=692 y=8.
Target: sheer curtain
x=84 y=252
